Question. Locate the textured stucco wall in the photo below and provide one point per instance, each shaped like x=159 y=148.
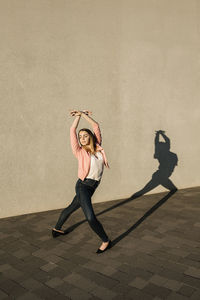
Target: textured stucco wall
x=134 y=63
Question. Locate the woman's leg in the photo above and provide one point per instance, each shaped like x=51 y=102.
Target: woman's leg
x=85 y=194
x=67 y=212
x=69 y=209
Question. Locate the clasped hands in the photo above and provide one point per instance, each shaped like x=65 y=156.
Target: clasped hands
x=160 y=132
x=79 y=112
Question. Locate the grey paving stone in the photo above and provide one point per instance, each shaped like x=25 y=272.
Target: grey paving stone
x=163 y=254
x=172 y=285
x=52 y=258
x=40 y=253
x=76 y=259
x=48 y=267
x=64 y=288
x=155 y=290
x=21 y=253
x=47 y=293
x=195 y=295
x=158 y=280
x=80 y=282
x=191 y=281
x=29 y=296
x=121 y=291
x=171 y=274
x=135 y=271
x=175 y=296
x=189 y=262
x=138 y=283
x=186 y=290
x=58 y=272
x=99 y=278
x=11 y=288
x=31 y=284
x=66 y=264
x=33 y=262
x=3 y=295
x=179 y=252
x=77 y=294
x=103 y=293
x=100 y=268
x=195 y=257
x=122 y=277
x=14 y=274
x=41 y=276
x=5 y=267
x=136 y=294
x=54 y=282
x=193 y=272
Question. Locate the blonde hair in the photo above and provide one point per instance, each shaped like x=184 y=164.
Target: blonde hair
x=92 y=145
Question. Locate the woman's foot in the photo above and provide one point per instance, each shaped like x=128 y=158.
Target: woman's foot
x=104 y=246
x=56 y=232
x=61 y=231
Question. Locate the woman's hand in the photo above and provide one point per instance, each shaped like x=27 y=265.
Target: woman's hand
x=78 y=113
x=75 y=113
x=107 y=165
x=87 y=112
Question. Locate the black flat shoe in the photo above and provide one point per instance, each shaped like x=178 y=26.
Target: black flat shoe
x=57 y=233
x=108 y=247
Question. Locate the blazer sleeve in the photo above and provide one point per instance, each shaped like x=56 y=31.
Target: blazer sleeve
x=74 y=141
x=97 y=133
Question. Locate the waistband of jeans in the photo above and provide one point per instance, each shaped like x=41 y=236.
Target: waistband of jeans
x=89 y=182
x=92 y=180
x=89 y=179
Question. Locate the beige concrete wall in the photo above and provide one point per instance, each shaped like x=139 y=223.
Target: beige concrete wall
x=134 y=63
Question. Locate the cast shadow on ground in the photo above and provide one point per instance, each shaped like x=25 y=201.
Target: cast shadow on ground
x=147 y=214
x=167 y=162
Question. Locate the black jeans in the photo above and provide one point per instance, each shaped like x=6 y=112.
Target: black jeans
x=84 y=191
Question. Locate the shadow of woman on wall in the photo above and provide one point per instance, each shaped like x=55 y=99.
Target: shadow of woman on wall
x=167 y=160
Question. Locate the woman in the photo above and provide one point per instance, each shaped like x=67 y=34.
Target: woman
x=91 y=160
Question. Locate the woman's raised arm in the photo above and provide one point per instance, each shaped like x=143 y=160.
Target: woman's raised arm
x=77 y=119
x=73 y=136
x=95 y=127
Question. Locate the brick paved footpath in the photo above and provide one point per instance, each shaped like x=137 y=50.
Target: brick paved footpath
x=155 y=253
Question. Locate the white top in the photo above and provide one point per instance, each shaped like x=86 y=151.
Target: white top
x=96 y=166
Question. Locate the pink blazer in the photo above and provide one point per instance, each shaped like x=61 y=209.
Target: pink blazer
x=81 y=154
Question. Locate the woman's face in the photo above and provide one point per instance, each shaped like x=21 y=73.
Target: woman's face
x=84 y=138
